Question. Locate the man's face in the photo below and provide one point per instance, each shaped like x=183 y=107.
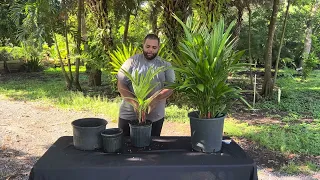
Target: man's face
x=150 y=48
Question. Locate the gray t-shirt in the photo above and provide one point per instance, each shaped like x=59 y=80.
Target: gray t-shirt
x=140 y=63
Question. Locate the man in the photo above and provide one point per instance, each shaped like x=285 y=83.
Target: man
x=142 y=62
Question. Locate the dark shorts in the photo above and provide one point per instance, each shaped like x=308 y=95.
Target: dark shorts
x=156 y=127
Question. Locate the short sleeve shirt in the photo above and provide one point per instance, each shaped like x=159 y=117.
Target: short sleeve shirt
x=140 y=63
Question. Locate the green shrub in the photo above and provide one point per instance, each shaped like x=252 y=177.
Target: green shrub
x=5 y=56
x=310 y=63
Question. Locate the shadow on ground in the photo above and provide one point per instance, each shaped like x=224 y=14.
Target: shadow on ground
x=15 y=165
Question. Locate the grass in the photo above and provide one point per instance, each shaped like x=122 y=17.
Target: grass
x=298 y=97
x=299 y=138
x=299 y=100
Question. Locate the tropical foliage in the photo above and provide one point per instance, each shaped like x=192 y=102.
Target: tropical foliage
x=205 y=61
x=120 y=55
x=143 y=85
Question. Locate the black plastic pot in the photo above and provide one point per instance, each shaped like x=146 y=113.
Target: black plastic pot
x=206 y=134
x=112 y=140
x=140 y=135
x=87 y=133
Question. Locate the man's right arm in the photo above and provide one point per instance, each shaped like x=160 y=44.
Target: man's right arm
x=122 y=83
x=125 y=92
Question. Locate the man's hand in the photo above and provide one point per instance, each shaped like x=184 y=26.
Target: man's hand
x=136 y=107
x=163 y=94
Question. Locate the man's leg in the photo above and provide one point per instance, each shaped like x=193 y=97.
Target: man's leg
x=124 y=125
x=156 y=127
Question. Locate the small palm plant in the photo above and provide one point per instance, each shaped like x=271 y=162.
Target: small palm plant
x=143 y=85
x=206 y=59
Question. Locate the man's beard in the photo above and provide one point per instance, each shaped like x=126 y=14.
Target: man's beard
x=149 y=57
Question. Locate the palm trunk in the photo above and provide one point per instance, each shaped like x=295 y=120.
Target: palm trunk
x=126 y=28
x=281 y=41
x=154 y=17
x=172 y=30
x=267 y=86
x=237 y=30
x=66 y=77
x=76 y=80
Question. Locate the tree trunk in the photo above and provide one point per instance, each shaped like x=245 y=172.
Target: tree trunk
x=76 y=80
x=172 y=29
x=100 y=10
x=66 y=77
x=95 y=77
x=308 y=40
x=240 y=6
x=267 y=86
x=84 y=34
x=67 y=44
x=281 y=41
x=154 y=17
x=126 y=28
x=249 y=43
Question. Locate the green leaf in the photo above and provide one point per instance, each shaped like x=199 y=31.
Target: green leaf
x=200 y=87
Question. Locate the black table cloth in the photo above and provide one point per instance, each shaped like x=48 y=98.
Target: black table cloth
x=167 y=158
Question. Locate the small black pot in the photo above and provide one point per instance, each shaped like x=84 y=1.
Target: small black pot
x=86 y=133
x=140 y=134
x=112 y=140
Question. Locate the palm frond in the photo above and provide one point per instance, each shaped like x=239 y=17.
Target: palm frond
x=120 y=55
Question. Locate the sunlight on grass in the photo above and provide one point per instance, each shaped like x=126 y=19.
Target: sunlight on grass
x=233 y=127
x=297 y=97
x=293 y=168
x=295 y=138
x=176 y=114
x=73 y=69
x=96 y=105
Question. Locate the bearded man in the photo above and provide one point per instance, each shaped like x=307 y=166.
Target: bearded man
x=142 y=62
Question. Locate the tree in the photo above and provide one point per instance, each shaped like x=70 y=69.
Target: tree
x=211 y=10
x=172 y=30
x=100 y=8
x=9 y=22
x=154 y=13
x=79 y=40
x=240 y=5
x=123 y=10
x=281 y=40
x=267 y=87
x=308 y=39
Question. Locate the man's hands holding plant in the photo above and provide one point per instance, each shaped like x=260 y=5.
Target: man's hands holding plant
x=145 y=107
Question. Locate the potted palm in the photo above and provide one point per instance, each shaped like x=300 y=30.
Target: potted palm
x=206 y=58
x=143 y=85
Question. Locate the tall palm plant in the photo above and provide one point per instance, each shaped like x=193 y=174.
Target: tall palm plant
x=205 y=61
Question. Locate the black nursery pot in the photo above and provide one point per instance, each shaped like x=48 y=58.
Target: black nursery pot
x=87 y=133
x=112 y=140
x=140 y=134
x=206 y=134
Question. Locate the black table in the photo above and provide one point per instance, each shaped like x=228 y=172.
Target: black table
x=167 y=158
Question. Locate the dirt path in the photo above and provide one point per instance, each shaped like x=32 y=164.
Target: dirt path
x=28 y=129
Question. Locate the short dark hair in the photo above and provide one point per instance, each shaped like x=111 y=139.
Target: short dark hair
x=151 y=36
